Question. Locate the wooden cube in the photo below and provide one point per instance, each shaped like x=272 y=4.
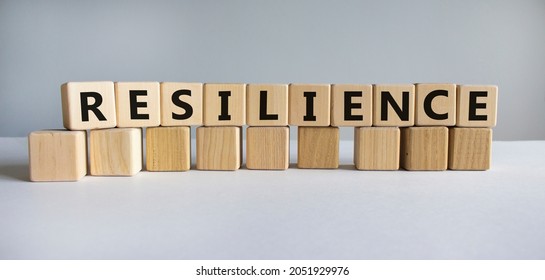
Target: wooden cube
x=424 y=148
x=219 y=148
x=266 y=105
x=268 y=148
x=181 y=104
x=318 y=147
x=435 y=105
x=476 y=106
x=57 y=155
x=88 y=105
x=376 y=148
x=168 y=148
x=470 y=148
x=393 y=105
x=137 y=104
x=351 y=105
x=309 y=105
x=224 y=104
x=115 y=151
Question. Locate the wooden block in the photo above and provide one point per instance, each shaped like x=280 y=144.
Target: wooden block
x=309 y=105
x=476 y=106
x=435 y=105
x=115 y=151
x=351 y=105
x=219 y=148
x=424 y=148
x=57 y=155
x=137 y=104
x=267 y=105
x=88 y=105
x=268 y=148
x=393 y=105
x=181 y=104
x=168 y=148
x=224 y=104
x=318 y=147
x=376 y=148
x=470 y=148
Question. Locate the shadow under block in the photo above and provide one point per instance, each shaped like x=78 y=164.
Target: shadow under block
x=435 y=105
x=224 y=104
x=267 y=148
x=181 y=104
x=424 y=148
x=352 y=105
x=470 y=148
x=168 y=148
x=476 y=106
x=137 y=104
x=393 y=105
x=115 y=151
x=98 y=101
x=57 y=155
x=318 y=147
x=267 y=105
x=219 y=148
x=309 y=104
x=376 y=148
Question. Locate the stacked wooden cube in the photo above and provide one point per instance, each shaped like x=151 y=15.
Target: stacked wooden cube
x=416 y=127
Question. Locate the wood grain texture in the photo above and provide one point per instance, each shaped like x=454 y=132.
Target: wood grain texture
x=236 y=104
x=170 y=90
x=298 y=104
x=490 y=102
x=439 y=104
x=470 y=148
x=424 y=148
x=168 y=148
x=149 y=107
x=317 y=147
x=390 y=117
x=268 y=148
x=359 y=108
x=376 y=148
x=276 y=101
x=115 y=151
x=57 y=155
x=219 y=148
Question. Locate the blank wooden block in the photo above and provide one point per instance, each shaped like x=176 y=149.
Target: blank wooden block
x=138 y=104
x=470 y=148
x=266 y=105
x=219 y=148
x=376 y=148
x=224 y=104
x=115 y=151
x=393 y=105
x=435 y=105
x=57 y=155
x=476 y=106
x=318 y=147
x=351 y=105
x=181 y=104
x=168 y=148
x=88 y=105
x=268 y=148
x=424 y=148
x=309 y=105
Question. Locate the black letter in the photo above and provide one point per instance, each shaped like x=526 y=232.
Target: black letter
x=263 y=107
x=348 y=106
x=133 y=94
x=178 y=102
x=473 y=105
x=386 y=98
x=310 y=106
x=85 y=107
x=224 y=116
x=427 y=105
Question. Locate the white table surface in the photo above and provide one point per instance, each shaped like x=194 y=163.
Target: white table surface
x=293 y=214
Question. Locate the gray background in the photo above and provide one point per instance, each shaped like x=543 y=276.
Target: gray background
x=45 y=43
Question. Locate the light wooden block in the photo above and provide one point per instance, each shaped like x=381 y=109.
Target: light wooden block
x=267 y=105
x=88 y=105
x=470 y=148
x=115 y=151
x=476 y=105
x=351 y=105
x=376 y=148
x=393 y=105
x=57 y=155
x=219 y=148
x=224 y=104
x=181 y=104
x=309 y=105
x=138 y=104
x=435 y=105
x=268 y=148
x=424 y=148
x=318 y=147
x=168 y=148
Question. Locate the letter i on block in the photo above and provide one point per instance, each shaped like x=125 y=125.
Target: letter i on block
x=225 y=104
x=393 y=105
x=137 y=104
x=309 y=105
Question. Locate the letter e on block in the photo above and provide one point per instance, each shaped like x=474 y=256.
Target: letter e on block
x=137 y=104
x=476 y=106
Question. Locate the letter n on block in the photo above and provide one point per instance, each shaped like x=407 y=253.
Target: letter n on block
x=393 y=105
